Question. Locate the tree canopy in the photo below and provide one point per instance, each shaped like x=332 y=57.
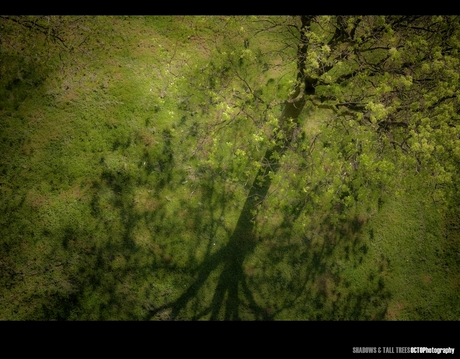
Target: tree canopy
x=389 y=84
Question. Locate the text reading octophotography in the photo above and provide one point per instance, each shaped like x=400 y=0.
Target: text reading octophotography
x=408 y=350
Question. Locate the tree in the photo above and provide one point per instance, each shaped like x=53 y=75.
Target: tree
x=389 y=83
x=388 y=87
x=394 y=75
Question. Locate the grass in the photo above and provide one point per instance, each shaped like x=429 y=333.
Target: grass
x=109 y=209
x=411 y=233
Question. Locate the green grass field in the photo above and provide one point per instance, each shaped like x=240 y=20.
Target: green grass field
x=109 y=210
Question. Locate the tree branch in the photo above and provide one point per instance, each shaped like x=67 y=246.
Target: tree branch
x=48 y=31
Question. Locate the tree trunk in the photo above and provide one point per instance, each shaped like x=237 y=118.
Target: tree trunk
x=242 y=242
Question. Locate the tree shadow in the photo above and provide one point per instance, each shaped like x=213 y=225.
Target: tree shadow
x=112 y=259
x=131 y=273
x=231 y=280
x=319 y=283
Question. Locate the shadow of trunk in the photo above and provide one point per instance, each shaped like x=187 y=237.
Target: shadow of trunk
x=241 y=243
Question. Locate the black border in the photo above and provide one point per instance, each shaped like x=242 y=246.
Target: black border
x=230 y=8
x=304 y=339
